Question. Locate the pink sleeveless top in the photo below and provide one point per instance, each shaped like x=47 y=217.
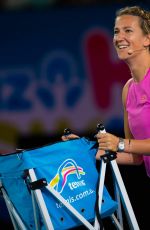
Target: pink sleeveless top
x=138 y=108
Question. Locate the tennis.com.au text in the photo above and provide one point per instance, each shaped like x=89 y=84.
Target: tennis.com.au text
x=81 y=195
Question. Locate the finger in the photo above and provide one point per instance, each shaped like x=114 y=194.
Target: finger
x=64 y=138
x=99 y=154
x=69 y=137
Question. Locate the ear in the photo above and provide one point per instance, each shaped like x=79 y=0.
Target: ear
x=147 y=40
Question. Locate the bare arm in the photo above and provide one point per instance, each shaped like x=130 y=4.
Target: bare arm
x=134 y=150
x=128 y=157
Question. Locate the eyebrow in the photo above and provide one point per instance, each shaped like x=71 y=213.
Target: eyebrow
x=125 y=27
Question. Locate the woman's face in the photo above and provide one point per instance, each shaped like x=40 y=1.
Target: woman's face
x=129 y=39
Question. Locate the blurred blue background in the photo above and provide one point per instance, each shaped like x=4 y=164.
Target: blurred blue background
x=58 y=69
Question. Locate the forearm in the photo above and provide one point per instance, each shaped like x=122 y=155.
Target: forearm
x=134 y=151
x=123 y=158
x=108 y=141
x=139 y=147
x=129 y=159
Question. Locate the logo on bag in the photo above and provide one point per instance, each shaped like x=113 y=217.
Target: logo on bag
x=68 y=167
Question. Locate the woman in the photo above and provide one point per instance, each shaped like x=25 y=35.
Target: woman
x=132 y=43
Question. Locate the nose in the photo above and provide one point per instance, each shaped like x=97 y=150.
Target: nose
x=119 y=36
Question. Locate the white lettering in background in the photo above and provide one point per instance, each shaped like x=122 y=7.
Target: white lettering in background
x=48 y=99
x=44 y=103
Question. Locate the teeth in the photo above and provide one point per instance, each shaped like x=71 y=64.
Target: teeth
x=122 y=47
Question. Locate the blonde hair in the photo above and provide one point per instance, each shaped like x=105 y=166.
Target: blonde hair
x=144 y=16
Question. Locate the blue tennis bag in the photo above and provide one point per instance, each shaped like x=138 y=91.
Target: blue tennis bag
x=70 y=168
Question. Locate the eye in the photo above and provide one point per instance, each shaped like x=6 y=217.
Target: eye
x=116 y=32
x=128 y=31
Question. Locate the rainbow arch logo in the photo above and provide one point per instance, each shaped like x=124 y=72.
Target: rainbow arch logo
x=67 y=168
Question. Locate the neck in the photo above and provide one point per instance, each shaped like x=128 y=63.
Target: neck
x=139 y=67
x=139 y=73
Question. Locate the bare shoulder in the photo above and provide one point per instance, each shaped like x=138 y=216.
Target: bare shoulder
x=126 y=86
x=125 y=90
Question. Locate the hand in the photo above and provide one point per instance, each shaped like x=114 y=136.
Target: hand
x=99 y=154
x=69 y=137
x=107 y=141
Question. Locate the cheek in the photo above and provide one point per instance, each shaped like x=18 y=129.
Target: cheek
x=115 y=47
x=114 y=42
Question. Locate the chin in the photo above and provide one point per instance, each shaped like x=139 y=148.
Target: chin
x=122 y=57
